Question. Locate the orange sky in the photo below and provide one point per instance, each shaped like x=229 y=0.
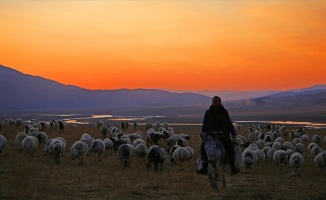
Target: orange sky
x=182 y=45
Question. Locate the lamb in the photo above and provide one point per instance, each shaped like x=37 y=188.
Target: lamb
x=320 y=160
x=56 y=148
x=280 y=157
x=141 y=150
x=296 y=161
x=98 y=147
x=156 y=155
x=78 y=150
x=125 y=151
x=3 y=142
x=29 y=144
x=304 y=138
x=19 y=138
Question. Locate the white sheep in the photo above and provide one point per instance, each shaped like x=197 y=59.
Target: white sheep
x=315 y=150
x=304 y=137
x=87 y=139
x=270 y=154
x=19 y=138
x=108 y=145
x=249 y=158
x=3 y=142
x=79 y=150
x=316 y=139
x=311 y=145
x=138 y=141
x=280 y=157
x=287 y=145
x=261 y=156
x=320 y=160
x=29 y=144
x=277 y=145
x=296 y=141
x=104 y=130
x=141 y=150
x=42 y=138
x=180 y=154
x=191 y=152
x=98 y=147
x=125 y=151
x=299 y=148
x=296 y=161
x=56 y=149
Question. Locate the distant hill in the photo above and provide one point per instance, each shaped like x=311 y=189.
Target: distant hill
x=26 y=93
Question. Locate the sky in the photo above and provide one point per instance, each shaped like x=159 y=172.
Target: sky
x=180 y=45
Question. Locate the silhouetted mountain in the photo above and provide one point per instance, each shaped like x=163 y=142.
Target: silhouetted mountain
x=25 y=92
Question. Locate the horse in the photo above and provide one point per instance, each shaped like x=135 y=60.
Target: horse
x=215 y=157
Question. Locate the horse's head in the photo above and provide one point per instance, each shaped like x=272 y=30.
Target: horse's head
x=213 y=149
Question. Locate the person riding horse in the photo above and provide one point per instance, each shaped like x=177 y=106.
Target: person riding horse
x=217 y=123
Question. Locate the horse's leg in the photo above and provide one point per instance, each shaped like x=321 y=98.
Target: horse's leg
x=224 y=185
x=210 y=175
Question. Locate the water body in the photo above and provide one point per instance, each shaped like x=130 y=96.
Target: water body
x=142 y=120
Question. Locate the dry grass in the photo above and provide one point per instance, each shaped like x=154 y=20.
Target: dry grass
x=40 y=178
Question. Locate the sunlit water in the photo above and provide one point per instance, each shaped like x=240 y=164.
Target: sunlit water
x=142 y=120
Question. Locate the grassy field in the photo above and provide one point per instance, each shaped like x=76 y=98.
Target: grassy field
x=40 y=178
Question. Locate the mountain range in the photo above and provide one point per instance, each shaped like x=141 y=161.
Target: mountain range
x=26 y=93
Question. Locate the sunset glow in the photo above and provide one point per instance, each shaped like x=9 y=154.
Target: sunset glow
x=180 y=45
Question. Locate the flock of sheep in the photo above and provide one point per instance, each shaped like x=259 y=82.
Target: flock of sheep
x=112 y=139
x=263 y=144
x=280 y=147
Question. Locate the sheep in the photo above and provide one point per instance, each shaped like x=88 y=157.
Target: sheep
x=171 y=141
x=135 y=136
x=261 y=156
x=108 y=145
x=156 y=155
x=19 y=138
x=29 y=144
x=280 y=157
x=279 y=139
x=104 y=130
x=320 y=160
x=42 y=138
x=99 y=123
x=311 y=145
x=56 y=148
x=316 y=139
x=138 y=141
x=180 y=155
x=299 y=148
x=249 y=158
x=277 y=145
x=287 y=145
x=141 y=150
x=62 y=125
x=3 y=142
x=296 y=141
x=315 y=150
x=87 y=139
x=125 y=151
x=191 y=152
x=79 y=150
x=270 y=154
x=182 y=142
x=296 y=161
x=304 y=138
x=98 y=147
